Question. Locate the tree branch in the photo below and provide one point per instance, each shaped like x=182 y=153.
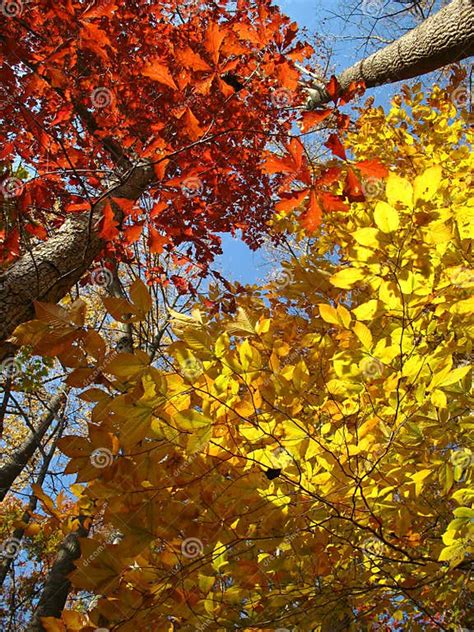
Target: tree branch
x=444 y=38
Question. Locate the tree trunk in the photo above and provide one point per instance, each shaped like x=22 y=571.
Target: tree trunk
x=57 y=586
x=19 y=532
x=49 y=271
x=16 y=463
x=444 y=38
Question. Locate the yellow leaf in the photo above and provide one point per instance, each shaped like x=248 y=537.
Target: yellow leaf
x=367 y=426
x=439 y=399
x=366 y=311
x=364 y=334
x=206 y=583
x=344 y=316
x=347 y=277
x=441 y=379
x=463 y=307
x=141 y=297
x=51 y=624
x=398 y=189
x=328 y=314
x=127 y=365
x=219 y=552
x=426 y=185
x=418 y=478
x=386 y=217
x=191 y=420
x=367 y=237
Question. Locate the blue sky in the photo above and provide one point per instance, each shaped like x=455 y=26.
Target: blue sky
x=238 y=262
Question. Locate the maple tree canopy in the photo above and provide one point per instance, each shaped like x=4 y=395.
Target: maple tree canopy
x=91 y=95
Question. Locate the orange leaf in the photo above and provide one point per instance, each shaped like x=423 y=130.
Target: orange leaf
x=311 y=119
x=213 y=41
x=156 y=241
x=78 y=207
x=334 y=144
x=312 y=218
x=333 y=88
x=159 y=72
x=290 y=201
x=355 y=87
x=296 y=151
x=192 y=125
x=160 y=168
x=124 y=204
x=329 y=176
x=332 y=202
x=353 y=188
x=372 y=168
x=132 y=233
x=108 y=225
x=189 y=59
x=287 y=75
x=158 y=208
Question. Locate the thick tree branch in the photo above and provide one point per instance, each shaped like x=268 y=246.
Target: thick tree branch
x=53 y=267
x=444 y=38
x=57 y=585
x=19 y=532
x=16 y=463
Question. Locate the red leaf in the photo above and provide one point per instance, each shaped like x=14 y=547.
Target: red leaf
x=132 y=233
x=333 y=88
x=312 y=217
x=213 y=41
x=355 y=87
x=332 y=202
x=6 y=150
x=11 y=244
x=108 y=225
x=290 y=201
x=189 y=59
x=37 y=230
x=182 y=285
x=343 y=121
x=192 y=125
x=334 y=144
x=353 y=188
x=309 y=120
x=156 y=241
x=159 y=72
x=372 y=168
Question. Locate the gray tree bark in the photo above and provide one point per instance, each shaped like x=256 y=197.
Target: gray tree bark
x=444 y=38
x=49 y=271
x=17 y=462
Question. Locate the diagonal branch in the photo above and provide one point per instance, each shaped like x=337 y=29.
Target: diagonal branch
x=16 y=463
x=54 y=266
x=444 y=38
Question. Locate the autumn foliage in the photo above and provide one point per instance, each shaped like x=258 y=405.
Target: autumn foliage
x=193 y=91
x=294 y=455
x=303 y=463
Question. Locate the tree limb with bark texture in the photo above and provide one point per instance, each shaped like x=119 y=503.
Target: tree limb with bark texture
x=442 y=39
